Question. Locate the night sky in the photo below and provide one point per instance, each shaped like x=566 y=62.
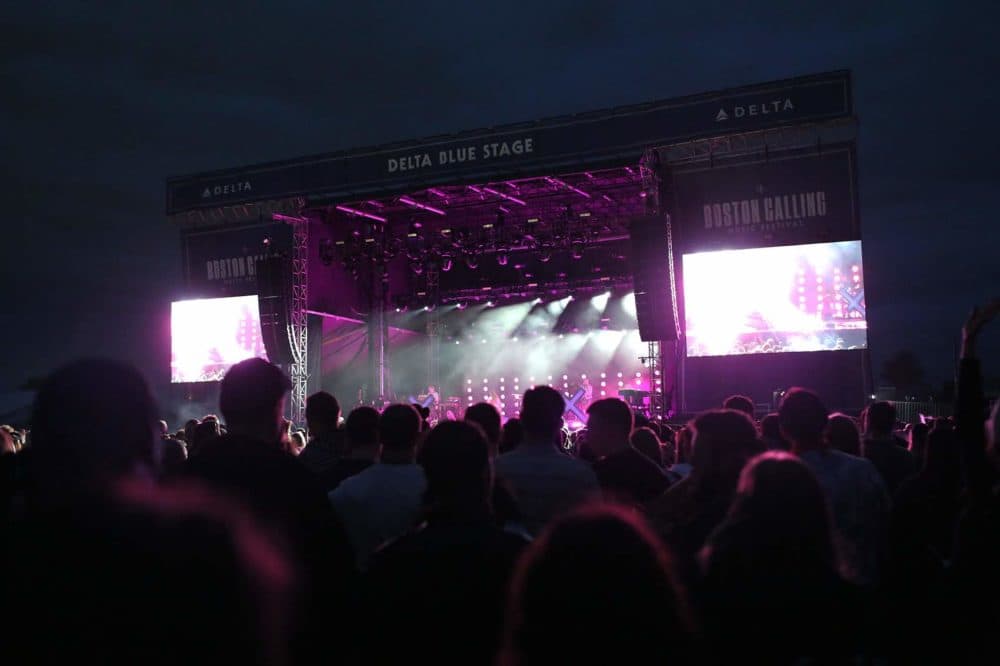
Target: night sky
x=101 y=105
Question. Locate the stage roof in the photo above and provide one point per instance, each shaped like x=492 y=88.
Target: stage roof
x=577 y=142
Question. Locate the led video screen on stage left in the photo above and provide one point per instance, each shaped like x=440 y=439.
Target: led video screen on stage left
x=210 y=335
x=795 y=298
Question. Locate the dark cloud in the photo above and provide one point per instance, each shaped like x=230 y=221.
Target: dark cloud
x=104 y=101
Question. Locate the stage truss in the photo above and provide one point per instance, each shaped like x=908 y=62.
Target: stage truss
x=298 y=320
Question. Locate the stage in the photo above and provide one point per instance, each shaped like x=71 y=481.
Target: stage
x=669 y=253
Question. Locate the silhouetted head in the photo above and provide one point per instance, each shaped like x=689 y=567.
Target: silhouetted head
x=486 y=417
x=942 y=459
x=204 y=434
x=770 y=432
x=361 y=427
x=596 y=587
x=513 y=435
x=881 y=418
x=398 y=428
x=322 y=413
x=541 y=413
x=724 y=440
x=645 y=441
x=456 y=461
x=684 y=437
x=252 y=399
x=918 y=439
x=189 y=427
x=609 y=425
x=843 y=435
x=173 y=453
x=740 y=403
x=7 y=442
x=93 y=421
x=993 y=431
x=778 y=521
x=803 y=418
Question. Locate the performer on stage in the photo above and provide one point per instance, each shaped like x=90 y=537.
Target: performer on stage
x=588 y=394
x=432 y=393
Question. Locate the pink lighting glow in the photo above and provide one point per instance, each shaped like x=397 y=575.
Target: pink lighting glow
x=208 y=336
x=422 y=206
x=360 y=213
x=756 y=301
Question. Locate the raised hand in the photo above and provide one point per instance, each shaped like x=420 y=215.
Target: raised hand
x=977 y=320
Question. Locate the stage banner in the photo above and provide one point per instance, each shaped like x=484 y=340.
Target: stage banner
x=778 y=199
x=547 y=146
x=221 y=262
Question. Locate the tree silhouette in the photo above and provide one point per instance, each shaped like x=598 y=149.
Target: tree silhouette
x=904 y=371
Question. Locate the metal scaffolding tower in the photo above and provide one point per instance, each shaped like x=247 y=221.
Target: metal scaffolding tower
x=298 y=320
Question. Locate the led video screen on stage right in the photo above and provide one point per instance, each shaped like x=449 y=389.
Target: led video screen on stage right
x=210 y=335
x=796 y=298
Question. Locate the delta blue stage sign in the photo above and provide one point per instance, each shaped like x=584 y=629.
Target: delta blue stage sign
x=542 y=147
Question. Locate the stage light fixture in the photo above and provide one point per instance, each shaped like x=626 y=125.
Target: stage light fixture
x=446 y=264
x=472 y=261
x=502 y=258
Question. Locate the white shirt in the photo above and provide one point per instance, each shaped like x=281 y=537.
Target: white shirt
x=545 y=482
x=379 y=504
x=860 y=507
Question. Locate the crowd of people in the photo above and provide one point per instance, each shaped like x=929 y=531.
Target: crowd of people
x=806 y=537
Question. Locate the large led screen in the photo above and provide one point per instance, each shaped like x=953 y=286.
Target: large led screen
x=796 y=298
x=208 y=336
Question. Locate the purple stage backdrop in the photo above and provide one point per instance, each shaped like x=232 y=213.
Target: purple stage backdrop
x=786 y=199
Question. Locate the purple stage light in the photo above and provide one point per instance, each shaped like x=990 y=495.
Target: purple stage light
x=422 y=206
x=502 y=195
x=360 y=213
x=562 y=183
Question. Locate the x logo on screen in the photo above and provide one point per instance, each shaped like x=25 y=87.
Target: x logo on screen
x=854 y=302
x=571 y=405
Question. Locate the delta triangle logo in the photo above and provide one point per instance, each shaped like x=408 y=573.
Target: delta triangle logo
x=207 y=194
x=721 y=115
